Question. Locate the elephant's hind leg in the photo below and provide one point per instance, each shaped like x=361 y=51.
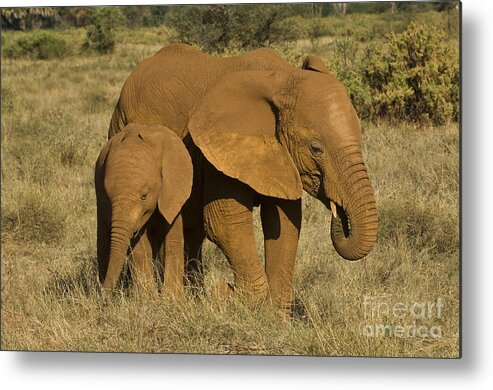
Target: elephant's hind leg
x=229 y=224
x=281 y=222
x=194 y=238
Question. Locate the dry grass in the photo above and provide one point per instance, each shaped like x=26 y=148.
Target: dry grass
x=54 y=120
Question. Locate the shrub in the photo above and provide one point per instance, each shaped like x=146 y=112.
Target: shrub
x=316 y=28
x=289 y=52
x=39 y=45
x=100 y=36
x=134 y=15
x=206 y=26
x=156 y=16
x=411 y=76
x=216 y=28
x=289 y=29
x=416 y=78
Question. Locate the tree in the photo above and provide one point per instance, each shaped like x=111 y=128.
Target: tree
x=340 y=8
x=74 y=16
x=316 y=9
x=218 y=27
x=157 y=15
x=135 y=15
x=27 y=18
x=100 y=34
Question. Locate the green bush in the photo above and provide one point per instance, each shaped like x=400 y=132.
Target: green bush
x=156 y=15
x=100 y=36
x=134 y=15
x=289 y=29
x=216 y=28
x=39 y=45
x=411 y=76
x=290 y=52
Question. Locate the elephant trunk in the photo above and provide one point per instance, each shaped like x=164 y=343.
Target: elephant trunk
x=121 y=234
x=354 y=213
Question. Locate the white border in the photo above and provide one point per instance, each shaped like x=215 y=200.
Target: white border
x=125 y=371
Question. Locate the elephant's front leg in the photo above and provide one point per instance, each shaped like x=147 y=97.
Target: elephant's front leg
x=142 y=265
x=174 y=260
x=281 y=222
x=228 y=223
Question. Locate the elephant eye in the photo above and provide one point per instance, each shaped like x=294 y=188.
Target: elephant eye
x=316 y=148
x=144 y=196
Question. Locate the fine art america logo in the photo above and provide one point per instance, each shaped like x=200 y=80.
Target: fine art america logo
x=384 y=318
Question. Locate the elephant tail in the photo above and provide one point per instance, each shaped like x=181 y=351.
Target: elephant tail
x=118 y=121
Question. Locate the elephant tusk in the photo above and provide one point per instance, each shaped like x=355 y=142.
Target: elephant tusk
x=333 y=208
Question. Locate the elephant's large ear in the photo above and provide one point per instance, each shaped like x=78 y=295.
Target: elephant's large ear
x=235 y=128
x=101 y=161
x=176 y=168
x=314 y=63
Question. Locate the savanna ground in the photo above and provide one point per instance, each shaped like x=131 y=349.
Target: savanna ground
x=55 y=116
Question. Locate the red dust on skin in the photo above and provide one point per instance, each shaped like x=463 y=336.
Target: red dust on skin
x=143 y=177
x=259 y=131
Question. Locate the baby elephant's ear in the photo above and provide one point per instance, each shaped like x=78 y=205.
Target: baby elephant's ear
x=100 y=163
x=176 y=170
x=314 y=63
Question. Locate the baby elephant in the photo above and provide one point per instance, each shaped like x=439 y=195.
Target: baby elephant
x=143 y=177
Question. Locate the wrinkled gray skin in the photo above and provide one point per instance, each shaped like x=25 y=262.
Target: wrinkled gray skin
x=258 y=131
x=143 y=177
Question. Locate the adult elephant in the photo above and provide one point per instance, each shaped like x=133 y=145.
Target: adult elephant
x=259 y=131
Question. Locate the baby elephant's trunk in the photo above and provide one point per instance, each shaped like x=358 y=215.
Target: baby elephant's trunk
x=121 y=233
